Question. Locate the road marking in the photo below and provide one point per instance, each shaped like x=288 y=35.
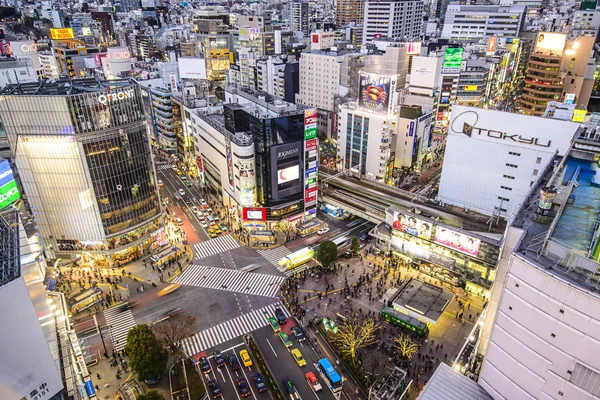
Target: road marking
x=271 y=347
x=233 y=383
x=248 y=382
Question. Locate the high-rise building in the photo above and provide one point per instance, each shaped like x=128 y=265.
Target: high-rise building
x=84 y=160
x=467 y=22
x=299 y=17
x=394 y=19
x=349 y=11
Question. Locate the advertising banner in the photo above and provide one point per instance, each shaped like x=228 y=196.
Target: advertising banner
x=288 y=174
x=553 y=43
x=229 y=163
x=9 y=191
x=491 y=46
x=409 y=224
x=471 y=88
x=254 y=214
x=310 y=133
x=61 y=33
x=452 y=59
x=375 y=92
x=457 y=241
x=247 y=182
x=410 y=247
x=310 y=144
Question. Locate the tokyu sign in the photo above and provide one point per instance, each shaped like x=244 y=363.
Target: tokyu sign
x=116 y=96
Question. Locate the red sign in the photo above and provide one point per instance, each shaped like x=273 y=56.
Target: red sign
x=315 y=38
x=295 y=218
x=254 y=214
x=311 y=144
x=199 y=162
x=309 y=199
x=491 y=46
x=309 y=192
x=310 y=120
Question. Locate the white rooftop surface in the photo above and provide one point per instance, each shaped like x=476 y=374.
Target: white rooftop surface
x=447 y=384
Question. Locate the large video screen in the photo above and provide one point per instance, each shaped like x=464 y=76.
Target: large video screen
x=9 y=191
x=457 y=241
x=453 y=58
x=288 y=174
x=286 y=169
x=553 y=43
x=411 y=225
x=375 y=92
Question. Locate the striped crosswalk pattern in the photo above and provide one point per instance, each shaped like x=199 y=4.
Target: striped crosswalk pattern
x=274 y=255
x=119 y=321
x=215 y=246
x=163 y=167
x=296 y=270
x=231 y=280
x=231 y=329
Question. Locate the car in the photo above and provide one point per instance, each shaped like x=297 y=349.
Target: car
x=209 y=210
x=259 y=382
x=290 y=389
x=203 y=224
x=246 y=360
x=183 y=178
x=323 y=231
x=200 y=216
x=223 y=227
x=212 y=234
x=243 y=387
x=204 y=365
x=280 y=316
x=234 y=364
x=285 y=339
x=274 y=325
x=173 y=166
x=178 y=172
x=216 y=229
x=215 y=216
x=181 y=192
x=214 y=388
x=202 y=202
x=160 y=183
x=187 y=200
x=298 y=334
x=209 y=218
x=195 y=209
x=179 y=221
x=363 y=237
x=219 y=359
x=187 y=183
x=313 y=382
x=298 y=357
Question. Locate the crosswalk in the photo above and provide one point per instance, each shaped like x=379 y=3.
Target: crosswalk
x=231 y=280
x=119 y=321
x=215 y=246
x=231 y=329
x=163 y=166
x=274 y=255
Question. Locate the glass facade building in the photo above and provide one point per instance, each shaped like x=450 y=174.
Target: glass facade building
x=83 y=157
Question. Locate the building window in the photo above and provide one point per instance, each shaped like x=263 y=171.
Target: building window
x=508 y=177
x=505 y=188
x=503 y=198
x=512 y=153
x=512 y=165
x=535 y=172
x=539 y=160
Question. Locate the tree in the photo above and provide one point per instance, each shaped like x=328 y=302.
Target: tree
x=146 y=356
x=151 y=395
x=327 y=253
x=355 y=246
x=220 y=93
x=406 y=346
x=174 y=329
x=354 y=334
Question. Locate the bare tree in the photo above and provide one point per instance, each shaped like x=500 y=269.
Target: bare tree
x=406 y=346
x=354 y=334
x=174 y=329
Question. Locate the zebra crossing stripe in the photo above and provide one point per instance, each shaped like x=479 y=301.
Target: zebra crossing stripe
x=215 y=246
x=231 y=329
x=274 y=255
x=231 y=280
x=119 y=322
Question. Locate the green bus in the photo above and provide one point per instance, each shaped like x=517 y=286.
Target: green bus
x=405 y=322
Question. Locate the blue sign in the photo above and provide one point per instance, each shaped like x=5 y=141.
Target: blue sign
x=310 y=171
x=89 y=386
x=6 y=173
x=411 y=130
x=430 y=136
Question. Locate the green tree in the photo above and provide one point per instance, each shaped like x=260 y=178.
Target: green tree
x=151 y=395
x=146 y=356
x=355 y=245
x=220 y=93
x=327 y=253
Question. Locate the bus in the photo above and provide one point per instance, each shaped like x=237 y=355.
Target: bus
x=330 y=375
x=85 y=299
x=341 y=241
x=309 y=227
x=405 y=322
x=297 y=258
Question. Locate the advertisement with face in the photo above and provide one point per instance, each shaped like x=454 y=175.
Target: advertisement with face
x=247 y=182
x=457 y=241
x=286 y=169
x=411 y=225
x=420 y=251
x=374 y=92
x=553 y=43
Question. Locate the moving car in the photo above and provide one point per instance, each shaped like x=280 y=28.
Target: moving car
x=313 y=382
x=298 y=357
x=280 y=316
x=203 y=224
x=246 y=360
x=173 y=166
x=300 y=337
x=219 y=359
x=234 y=364
x=179 y=221
x=187 y=183
x=217 y=229
x=291 y=389
x=363 y=237
x=285 y=339
x=259 y=382
x=323 y=231
x=223 y=227
x=195 y=209
x=214 y=388
x=181 y=192
x=202 y=202
x=243 y=387
x=274 y=325
x=160 y=183
x=205 y=365
x=212 y=233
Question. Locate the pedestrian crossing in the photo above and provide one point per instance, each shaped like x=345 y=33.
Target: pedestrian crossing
x=119 y=321
x=274 y=255
x=236 y=327
x=231 y=280
x=163 y=167
x=215 y=246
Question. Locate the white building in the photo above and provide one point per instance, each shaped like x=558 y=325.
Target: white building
x=269 y=76
x=424 y=81
x=396 y=19
x=585 y=23
x=492 y=157
x=468 y=22
x=49 y=65
x=16 y=71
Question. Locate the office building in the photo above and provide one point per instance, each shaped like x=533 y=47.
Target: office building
x=349 y=12
x=14 y=71
x=540 y=334
x=214 y=43
x=396 y=19
x=299 y=17
x=492 y=158
x=278 y=77
x=586 y=22
x=464 y=22
x=48 y=65
x=83 y=157
x=162 y=116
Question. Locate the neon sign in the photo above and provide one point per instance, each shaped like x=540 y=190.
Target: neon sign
x=29 y=48
x=114 y=97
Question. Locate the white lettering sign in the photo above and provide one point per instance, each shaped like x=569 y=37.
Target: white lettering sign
x=29 y=48
x=114 y=97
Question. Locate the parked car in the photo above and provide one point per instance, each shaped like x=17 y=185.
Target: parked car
x=219 y=358
x=259 y=382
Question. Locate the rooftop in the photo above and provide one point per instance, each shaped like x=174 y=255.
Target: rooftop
x=447 y=384
x=423 y=299
x=63 y=87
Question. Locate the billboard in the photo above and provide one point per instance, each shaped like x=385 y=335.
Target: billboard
x=548 y=42
x=192 y=68
x=413 y=47
x=254 y=214
x=409 y=224
x=310 y=124
x=247 y=182
x=61 y=33
x=375 y=91
x=457 y=241
x=288 y=174
x=252 y=33
x=286 y=162
x=9 y=191
x=471 y=88
x=491 y=46
x=453 y=59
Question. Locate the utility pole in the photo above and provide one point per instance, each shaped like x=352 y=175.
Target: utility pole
x=101 y=336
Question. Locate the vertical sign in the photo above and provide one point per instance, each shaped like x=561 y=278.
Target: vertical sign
x=173 y=84
x=311 y=161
